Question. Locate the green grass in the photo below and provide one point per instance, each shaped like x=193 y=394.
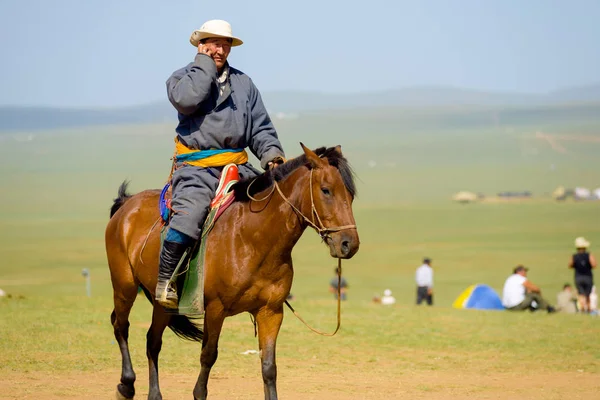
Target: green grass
x=57 y=190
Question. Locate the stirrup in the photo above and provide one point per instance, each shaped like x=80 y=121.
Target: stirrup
x=229 y=176
x=166 y=294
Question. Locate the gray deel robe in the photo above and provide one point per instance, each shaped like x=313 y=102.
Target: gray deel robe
x=236 y=119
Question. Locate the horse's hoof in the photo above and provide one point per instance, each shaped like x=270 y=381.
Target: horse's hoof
x=122 y=388
x=119 y=396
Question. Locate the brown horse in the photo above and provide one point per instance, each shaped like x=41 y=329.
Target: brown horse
x=248 y=263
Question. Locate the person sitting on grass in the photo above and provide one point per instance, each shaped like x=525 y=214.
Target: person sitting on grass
x=566 y=301
x=519 y=293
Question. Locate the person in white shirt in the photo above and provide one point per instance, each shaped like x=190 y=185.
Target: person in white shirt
x=387 y=298
x=519 y=293
x=424 y=279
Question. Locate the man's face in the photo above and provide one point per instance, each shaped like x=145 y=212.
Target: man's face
x=522 y=272
x=220 y=48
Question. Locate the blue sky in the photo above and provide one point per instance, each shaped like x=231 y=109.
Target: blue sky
x=120 y=52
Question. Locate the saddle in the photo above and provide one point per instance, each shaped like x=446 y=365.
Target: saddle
x=189 y=275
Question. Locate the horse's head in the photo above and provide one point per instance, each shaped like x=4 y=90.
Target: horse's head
x=332 y=193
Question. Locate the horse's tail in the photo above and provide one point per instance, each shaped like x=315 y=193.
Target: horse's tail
x=182 y=326
x=122 y=197
x=185 y=328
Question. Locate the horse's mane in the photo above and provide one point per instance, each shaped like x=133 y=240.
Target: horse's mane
x=264 y=181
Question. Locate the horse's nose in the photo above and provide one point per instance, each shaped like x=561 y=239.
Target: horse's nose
x=349 y=245
x=345 y=247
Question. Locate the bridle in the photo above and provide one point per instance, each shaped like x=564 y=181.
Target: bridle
x=321 y=229
x=323 y=232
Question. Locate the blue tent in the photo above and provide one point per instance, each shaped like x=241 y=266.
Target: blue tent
x=480 y=297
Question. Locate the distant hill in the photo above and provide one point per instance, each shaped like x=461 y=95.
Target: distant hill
x=576 y=94
x=15 y=118
x=423 y=96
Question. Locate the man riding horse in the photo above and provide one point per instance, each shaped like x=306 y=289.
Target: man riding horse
x=220 y=114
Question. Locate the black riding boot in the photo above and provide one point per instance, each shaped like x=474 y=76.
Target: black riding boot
x=166 y=290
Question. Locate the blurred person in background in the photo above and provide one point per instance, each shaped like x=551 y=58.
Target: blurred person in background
x=333 y=285
x=424 y=279
x=566 y=300
x=521 y=294
x=583 y=262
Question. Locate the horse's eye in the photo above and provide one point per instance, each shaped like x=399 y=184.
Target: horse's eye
x=325 y=191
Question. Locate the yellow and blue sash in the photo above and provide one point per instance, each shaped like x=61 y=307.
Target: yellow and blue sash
x=209 y=158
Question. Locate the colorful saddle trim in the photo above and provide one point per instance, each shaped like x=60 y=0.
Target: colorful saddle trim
x=223 y=196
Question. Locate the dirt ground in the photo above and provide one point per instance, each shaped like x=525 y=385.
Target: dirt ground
x=343 y=385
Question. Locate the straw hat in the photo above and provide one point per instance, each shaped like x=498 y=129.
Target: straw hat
x=581 y=243
x=215 y=28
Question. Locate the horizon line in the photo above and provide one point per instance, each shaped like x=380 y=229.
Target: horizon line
x=157 y=101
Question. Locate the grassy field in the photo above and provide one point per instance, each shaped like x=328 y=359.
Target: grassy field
x=57 y=187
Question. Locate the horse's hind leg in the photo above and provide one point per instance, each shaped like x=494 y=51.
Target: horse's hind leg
x=124 y=297
x=160 y=320
x=213 y=322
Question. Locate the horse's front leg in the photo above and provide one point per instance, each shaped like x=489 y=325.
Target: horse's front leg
x=213 y=322
x=269 y=321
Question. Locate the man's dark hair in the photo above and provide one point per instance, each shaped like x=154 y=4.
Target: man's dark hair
x=427 y=260
x=566 y=285
x=519 y=268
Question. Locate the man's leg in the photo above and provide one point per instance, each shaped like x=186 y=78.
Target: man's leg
x=193 y=189
x=583 y=300
x=584 y=289
x=421 y=294
x=429 y=299
x=526 y=304
x=174 y=247
x=542 y=304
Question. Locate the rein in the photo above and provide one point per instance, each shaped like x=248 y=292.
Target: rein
x=323 y=232
x=339 y=306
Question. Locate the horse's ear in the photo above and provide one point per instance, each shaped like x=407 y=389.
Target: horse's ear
x=338 y=149
x=314 y=160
